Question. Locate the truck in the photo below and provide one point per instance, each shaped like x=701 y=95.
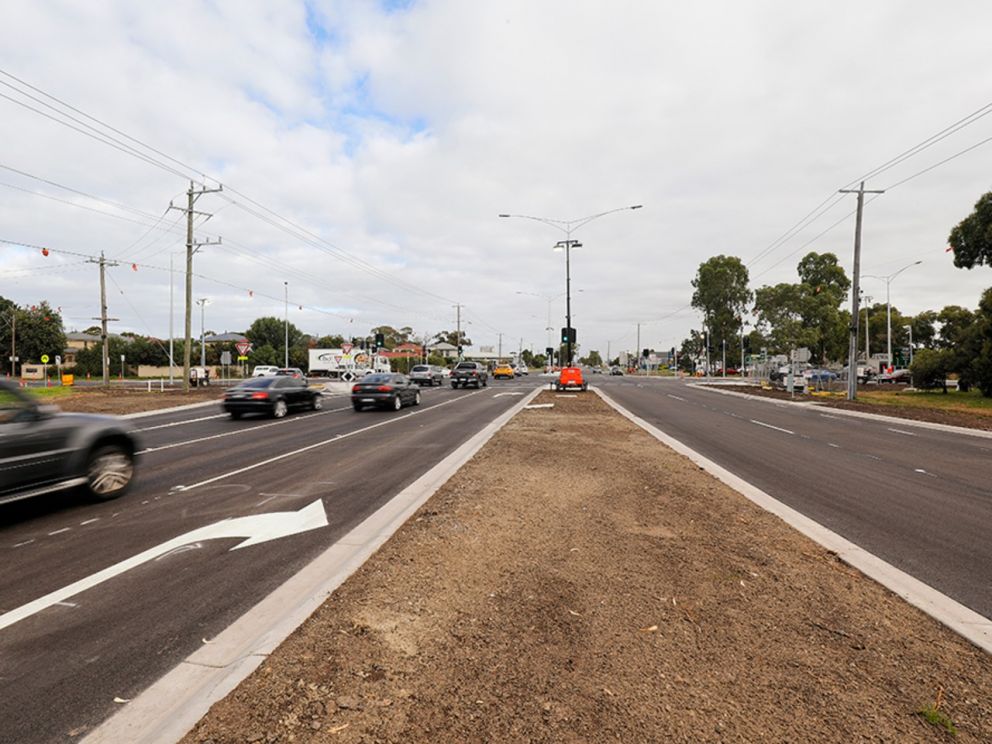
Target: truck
x=337 y=363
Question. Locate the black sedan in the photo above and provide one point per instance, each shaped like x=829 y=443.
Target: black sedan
x=43 y=450
x=385 y=390
x=272 y=396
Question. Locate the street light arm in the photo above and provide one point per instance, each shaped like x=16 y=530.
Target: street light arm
x=567 y=226
x=575 y=224
x=909 y=266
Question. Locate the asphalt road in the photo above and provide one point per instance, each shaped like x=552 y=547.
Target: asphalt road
x=918 y=498
x=62 y=667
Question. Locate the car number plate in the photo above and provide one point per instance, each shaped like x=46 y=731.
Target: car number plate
x=368 y=400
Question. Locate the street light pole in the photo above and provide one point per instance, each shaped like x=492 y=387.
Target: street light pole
x=910 y=329
x=568 y=227
x=888 y=306
x=286 y=324
x=202 y=302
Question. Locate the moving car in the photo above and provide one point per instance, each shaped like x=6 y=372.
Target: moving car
x=893 y=377
x=469 y=373
x=570 y=378
x=819 y=375
x=520 y=370
x=426 y=374
x=271 y=396
x=385 y=390
x=294 y=372
x=43 y=450
x=264 y=370
x=614 y=370
x=503 y=370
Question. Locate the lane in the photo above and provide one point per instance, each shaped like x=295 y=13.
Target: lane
x=921 y=501
x=61 y=669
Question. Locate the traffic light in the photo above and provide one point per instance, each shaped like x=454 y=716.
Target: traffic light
x=645 y=353
x=568 y=335
x=549 y=352
x=380 y=340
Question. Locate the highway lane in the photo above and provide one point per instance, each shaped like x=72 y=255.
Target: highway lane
x=62 y=668
x=919 y=499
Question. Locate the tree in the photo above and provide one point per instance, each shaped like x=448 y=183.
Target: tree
x=721 y=294
x=954 y=322
x=392 y=337
x=924 y=329
x=971 y=239
x=780 y=316
x=593 y=359
x=451 y=337
x=329 y=342
x=271 y=331
x=8 y=310
x=39 y=332
x=930 y=368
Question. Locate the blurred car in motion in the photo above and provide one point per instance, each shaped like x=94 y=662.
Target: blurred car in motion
x=294 y=372
x=819 y=375
x=503 y=371
x=894 y=377
x=271 y=396
x=427 y=374
x=43 y=450
x=615 y=370
x=385 y=390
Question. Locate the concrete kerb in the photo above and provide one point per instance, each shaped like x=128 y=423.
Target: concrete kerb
x=155 y=412
x=170 y=707
x=854 y=414
x=966 y=622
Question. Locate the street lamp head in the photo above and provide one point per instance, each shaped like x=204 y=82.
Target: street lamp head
x=637 y=206
x=503 y=215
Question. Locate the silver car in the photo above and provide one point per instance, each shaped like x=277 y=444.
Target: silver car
x=427 y=374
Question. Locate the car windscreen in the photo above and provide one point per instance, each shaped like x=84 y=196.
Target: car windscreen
x=420 y=368
x=377 y=379
x=466 y=365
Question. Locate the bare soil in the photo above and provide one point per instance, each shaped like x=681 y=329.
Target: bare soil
x=577 y=581
x=968 y=419
x=120 y=401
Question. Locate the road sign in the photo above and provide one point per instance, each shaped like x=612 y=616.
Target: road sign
x=58 y=361
x=243 y=347
x=44 y=358
x=225 y=357
x=348 y=376
x=346 y=348
x=242 y=359
x=800 y=355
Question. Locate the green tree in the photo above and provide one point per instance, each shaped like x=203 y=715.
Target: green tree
x=593 y=359
x=971 y=239
x=924 y=329
x=451 y=337
x=39 y=332
x=8 y=311
x=270 y=331
x=721 y=294
x=954 y=323
x=930 y=368
x=329 y=342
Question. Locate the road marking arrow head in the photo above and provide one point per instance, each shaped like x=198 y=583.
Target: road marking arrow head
x=274 y=525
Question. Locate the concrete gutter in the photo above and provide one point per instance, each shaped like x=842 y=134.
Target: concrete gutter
x=172 y=706
x=962 y=620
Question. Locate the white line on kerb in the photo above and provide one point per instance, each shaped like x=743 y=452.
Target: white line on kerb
x=900 y=431
x=769 y=426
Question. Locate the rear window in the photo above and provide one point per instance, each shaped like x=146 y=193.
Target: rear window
x=377 y=378
x=466 y=365
x=421 y=368
x=258 y=382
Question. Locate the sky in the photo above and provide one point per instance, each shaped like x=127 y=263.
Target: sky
x=366 y=149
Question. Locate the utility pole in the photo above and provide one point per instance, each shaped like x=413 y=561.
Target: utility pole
x=499 y=352
x=192 y=247
x=286 y=324
x=724 y=363
x=852 y=349
x=458 y=330
x=104 y=263
x=707 y=352
x=639 y=350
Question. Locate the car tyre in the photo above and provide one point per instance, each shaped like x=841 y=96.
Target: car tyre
x=109 y=472
x=235 y=415
x=357 y=406
x=279 y=409
x=317 y=403
x=397 y=403
x=416 y=399
x=454 y=386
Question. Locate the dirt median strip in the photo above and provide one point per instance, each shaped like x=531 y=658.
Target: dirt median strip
x=578 y=581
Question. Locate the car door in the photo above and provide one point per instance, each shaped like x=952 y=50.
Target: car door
x=293 y=390
x=33 y=445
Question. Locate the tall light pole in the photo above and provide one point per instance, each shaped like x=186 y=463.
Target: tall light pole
x=910 y=329
x=568 y=227
x=888 y=305
x=549 y=299
x=202 y=302
x=286 y=324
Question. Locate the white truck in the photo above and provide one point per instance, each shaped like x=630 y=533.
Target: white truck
x=337 y=362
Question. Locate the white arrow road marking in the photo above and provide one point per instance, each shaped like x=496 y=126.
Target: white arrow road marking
x=258 y=528
x=499 y=395
x=769 y=426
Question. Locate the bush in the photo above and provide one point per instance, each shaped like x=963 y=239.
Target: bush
x=930 y=368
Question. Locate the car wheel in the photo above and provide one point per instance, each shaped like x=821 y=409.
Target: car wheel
x=416 y=399
x=318 y=402
x=357 y=406
x=397 y=403
x=484 y=382
x=109 y=472
x=235 y=415
x=454 y=386
x=279 y=409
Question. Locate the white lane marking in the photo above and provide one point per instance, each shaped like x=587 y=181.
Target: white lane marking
x=900 y=431
x=265 y=501
x=920 y=470
x=257 y=528
x=59 y=532
x=22 y=544
x=827 y=415
x=235 y=432
x=769 y=426
x=873 y=457
x=181 y=423
x=89 y=521
x=335 y=438
x=831 y=444
x=67 y=604
x=675 y=397
x=500 y=395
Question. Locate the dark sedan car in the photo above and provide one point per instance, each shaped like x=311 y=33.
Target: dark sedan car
x=43 y=450
x=272 y=396
x=385 y=390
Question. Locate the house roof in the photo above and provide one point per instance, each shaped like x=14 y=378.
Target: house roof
x=84 y=336
x=443 y=346
x=222 y=337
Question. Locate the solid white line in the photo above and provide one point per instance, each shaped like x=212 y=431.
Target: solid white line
x=827 y=415
x=333 y=439
x=962 y=620
x=89 y=521
x=769 y=426
x=180 y=423
x=900 y=431
x=831 y=444
x=59 y=532
x=676 y=397
x=22 y=544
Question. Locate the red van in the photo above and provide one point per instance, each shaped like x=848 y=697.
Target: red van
x=570 y=378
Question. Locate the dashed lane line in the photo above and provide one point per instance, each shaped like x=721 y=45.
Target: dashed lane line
x=900 y=431
x=769 y=426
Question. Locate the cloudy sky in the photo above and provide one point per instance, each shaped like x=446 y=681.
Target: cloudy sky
x=366 y=148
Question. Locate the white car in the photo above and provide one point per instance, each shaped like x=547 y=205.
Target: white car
x=264 y=370
x=520 y=370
